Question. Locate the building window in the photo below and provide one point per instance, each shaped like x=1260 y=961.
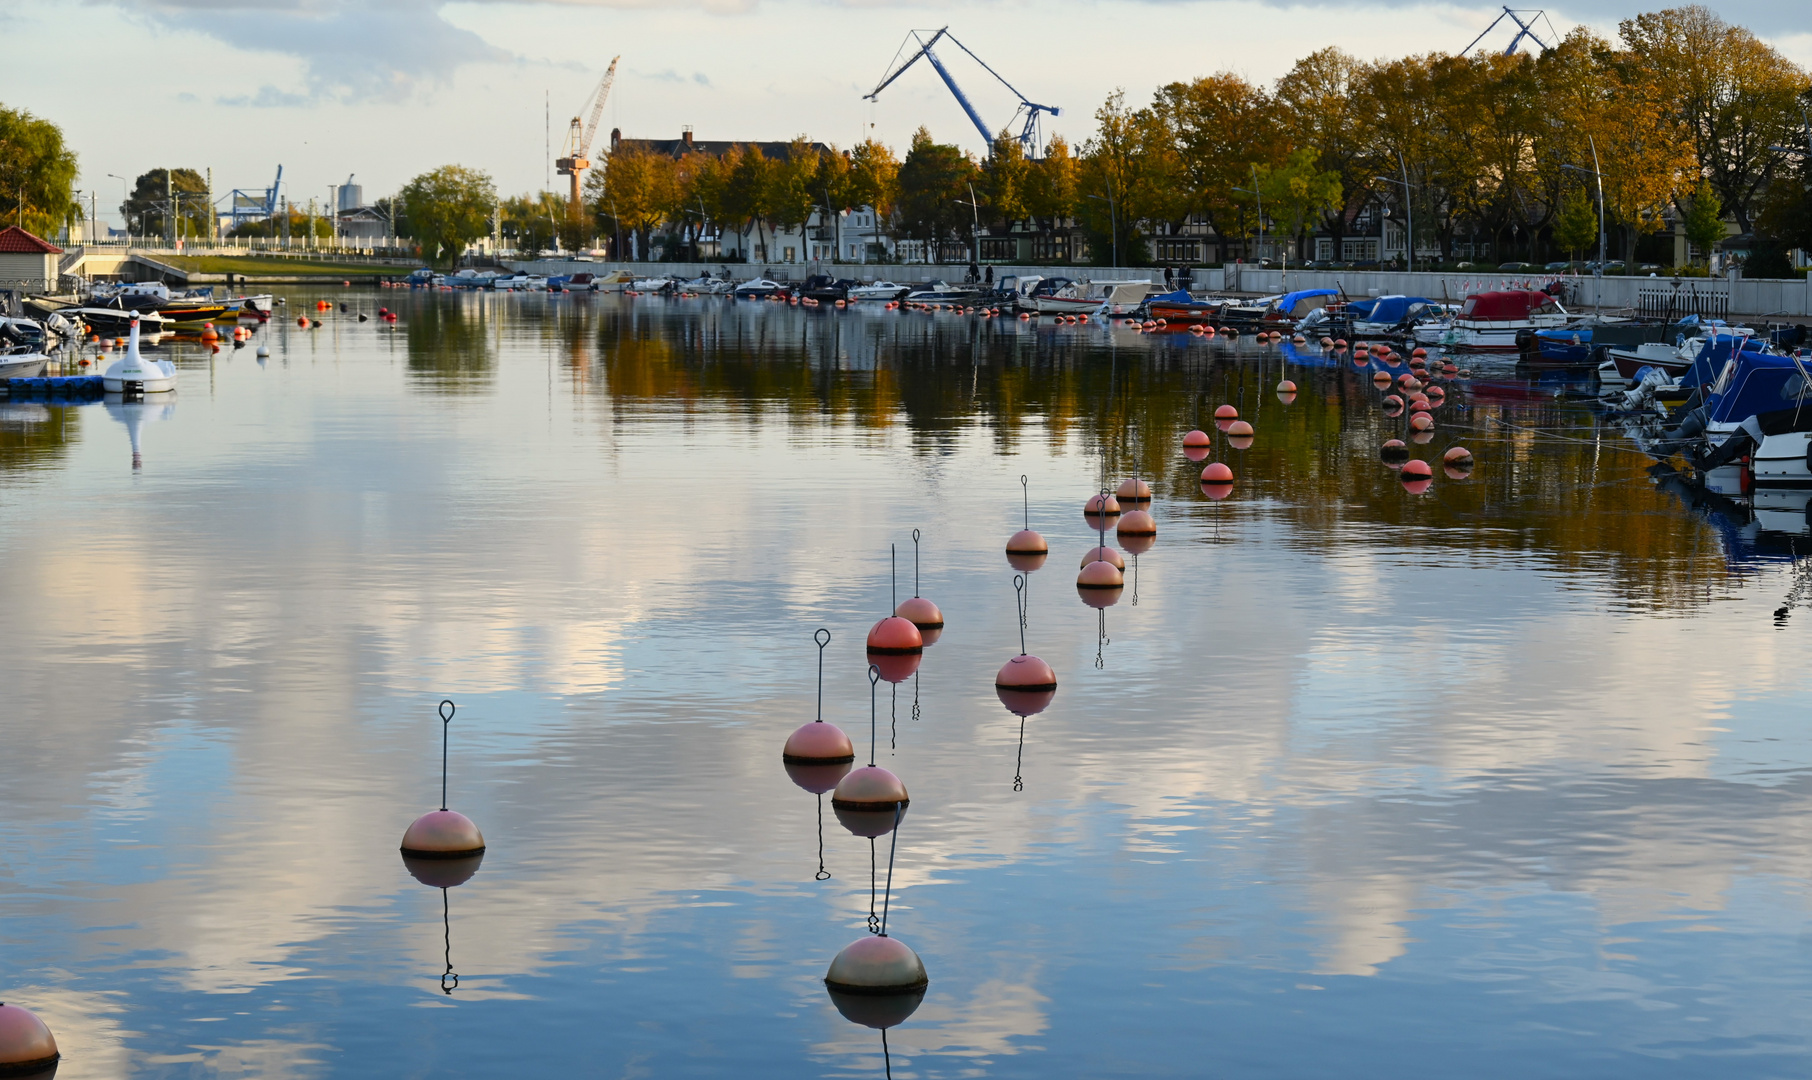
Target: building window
x=1051 y=249
x=789 y=254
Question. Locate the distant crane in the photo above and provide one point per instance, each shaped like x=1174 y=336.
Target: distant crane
x=574 y=160
x=1523 y=29
x=255 y=205
x=1030 y=135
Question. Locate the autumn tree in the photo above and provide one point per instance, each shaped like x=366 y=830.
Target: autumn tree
x=1734 y=94
x=1220 y=128
x=1317 y=100
x=637 y=190
x=37 y=173
x=793 y=190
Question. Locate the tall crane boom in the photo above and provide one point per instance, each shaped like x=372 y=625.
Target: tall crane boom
x=1029 y=131
x=575 y=155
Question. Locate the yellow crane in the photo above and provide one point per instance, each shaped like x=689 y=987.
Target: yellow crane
x=574 y=160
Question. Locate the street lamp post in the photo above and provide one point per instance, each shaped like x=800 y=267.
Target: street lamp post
x=125 y=197
x=1409 y=215
x=975 y=230
x=1598 y=276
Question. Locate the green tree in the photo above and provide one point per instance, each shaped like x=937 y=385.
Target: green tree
x=1298 y=191
x=934 y=182
x=37 y=174
x=1006 y=179
x=531 y=222
x=639 y=188
x=1704 y=218
x=448 y=208
x=1576 y=226
x=299 y=226
x=147 y=210
x=1051 y=184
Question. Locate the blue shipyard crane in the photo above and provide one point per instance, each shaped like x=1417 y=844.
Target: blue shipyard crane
x=1523 y=29
x=1029 y=136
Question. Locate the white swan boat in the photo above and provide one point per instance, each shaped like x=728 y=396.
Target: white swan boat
x=133 y=374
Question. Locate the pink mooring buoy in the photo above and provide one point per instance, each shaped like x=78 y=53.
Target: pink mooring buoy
x=443 y=833
x=917 y=610
x=819 y=743
x=26 y=1044
x=1026 y=549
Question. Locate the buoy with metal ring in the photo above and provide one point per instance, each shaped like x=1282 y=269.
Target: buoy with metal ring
x=443 y=833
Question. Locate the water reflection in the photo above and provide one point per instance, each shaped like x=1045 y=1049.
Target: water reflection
x=34 y=435
x=1514 y=764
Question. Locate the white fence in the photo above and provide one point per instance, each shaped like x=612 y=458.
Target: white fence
x=1791 y=298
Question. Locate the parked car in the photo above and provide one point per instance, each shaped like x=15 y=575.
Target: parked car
x=1561 y=266
x=1514 y=266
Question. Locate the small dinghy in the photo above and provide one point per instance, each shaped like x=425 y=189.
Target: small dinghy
x=133 y=374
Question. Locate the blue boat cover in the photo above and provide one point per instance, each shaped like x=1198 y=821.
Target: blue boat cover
x=1361 y=309
x=1760 y=383
x=1181 y=296
x=1288 y=301
x=1394 y=309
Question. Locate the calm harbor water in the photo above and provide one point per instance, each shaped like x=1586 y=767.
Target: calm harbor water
x=1506 y=779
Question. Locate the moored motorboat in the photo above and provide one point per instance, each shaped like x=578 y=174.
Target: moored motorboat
x=879 y=290
x=757 y=289
x=1490 y=321
x=23 y=364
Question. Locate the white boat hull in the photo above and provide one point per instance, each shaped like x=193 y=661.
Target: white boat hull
x=1781 y=461
x=29 y=366
x=1482 y=335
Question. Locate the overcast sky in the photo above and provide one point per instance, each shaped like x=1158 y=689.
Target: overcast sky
x=385 y=89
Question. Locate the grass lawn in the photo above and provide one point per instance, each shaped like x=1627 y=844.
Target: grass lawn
x=265 y=266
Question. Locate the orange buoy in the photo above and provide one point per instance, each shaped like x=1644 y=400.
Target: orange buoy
x=1393 y=452
x=1239 y=429
x=1103 y=554
x=1285 y=386
x=1133 y=491
x=921 y=613
x=1226 y=412
x=1198 y=437
x=1417 y=476
x=1138 y=523
x=818 y=743
x=1421 y=422
x=26 y=1044
x=1380 y=380
x=1025 y=673
x=1217 y=473
x=871 y=788
x=895 y=636
x=1420 y=405
x=1393 y=405
x=1100 y=506
x=1100 y=575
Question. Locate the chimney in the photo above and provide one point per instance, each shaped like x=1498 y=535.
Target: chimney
x=686 y=136
x=616 y=137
